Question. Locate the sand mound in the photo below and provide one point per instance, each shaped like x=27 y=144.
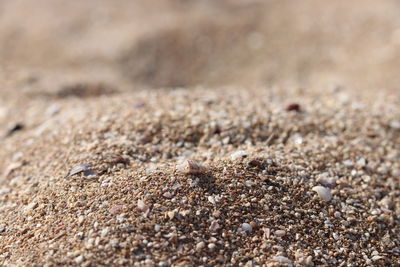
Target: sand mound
x=255 y=202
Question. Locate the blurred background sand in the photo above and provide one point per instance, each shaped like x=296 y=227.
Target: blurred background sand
x=185 y=43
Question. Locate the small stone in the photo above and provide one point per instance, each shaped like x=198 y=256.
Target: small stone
x=81 y=219
x=323 y=192
x=394 y=124
x=79 y=259
x=239 y=154
x=142 y=206
x=191 y=167
x=116 y=209
x=200 y=246
x=247 y=227
x=104 y=232
x=211 y=246
x=216 y=213
x=280 y=233
x=293 y=107
x=361 y=162
x=214 y=226
x=167 y=195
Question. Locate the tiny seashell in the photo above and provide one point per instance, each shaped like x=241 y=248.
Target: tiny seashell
x=191 y=167
x=79 y=168
x=239 y=154
x=247 y=227
x=142 y=206
x=323 y=192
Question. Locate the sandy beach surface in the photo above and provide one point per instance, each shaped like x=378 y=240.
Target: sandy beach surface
x=199 y=133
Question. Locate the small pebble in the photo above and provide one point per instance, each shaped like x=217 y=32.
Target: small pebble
x=142 y=206
x=167 y=195
x=211 y=246
x=214 y=226
x=191 y=167
x=280 y=233
x=200 y=246
x=81 y=219
x=79 y=259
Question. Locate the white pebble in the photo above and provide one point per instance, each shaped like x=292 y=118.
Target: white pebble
x=211 y=246
x=323 y=192
x=200 y=246
x=239 y=154
x=247 y=227
x=361 y=162
x=104 y=232
x=79 y=259
x=280 y=233
x=191 y=167
x=81 y=219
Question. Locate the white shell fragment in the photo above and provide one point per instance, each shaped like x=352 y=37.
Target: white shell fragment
x=323 y=192
x=239 y=154
x=191 y=167
x=81 y=168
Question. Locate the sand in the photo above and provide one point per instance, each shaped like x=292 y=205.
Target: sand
x=104 y=162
